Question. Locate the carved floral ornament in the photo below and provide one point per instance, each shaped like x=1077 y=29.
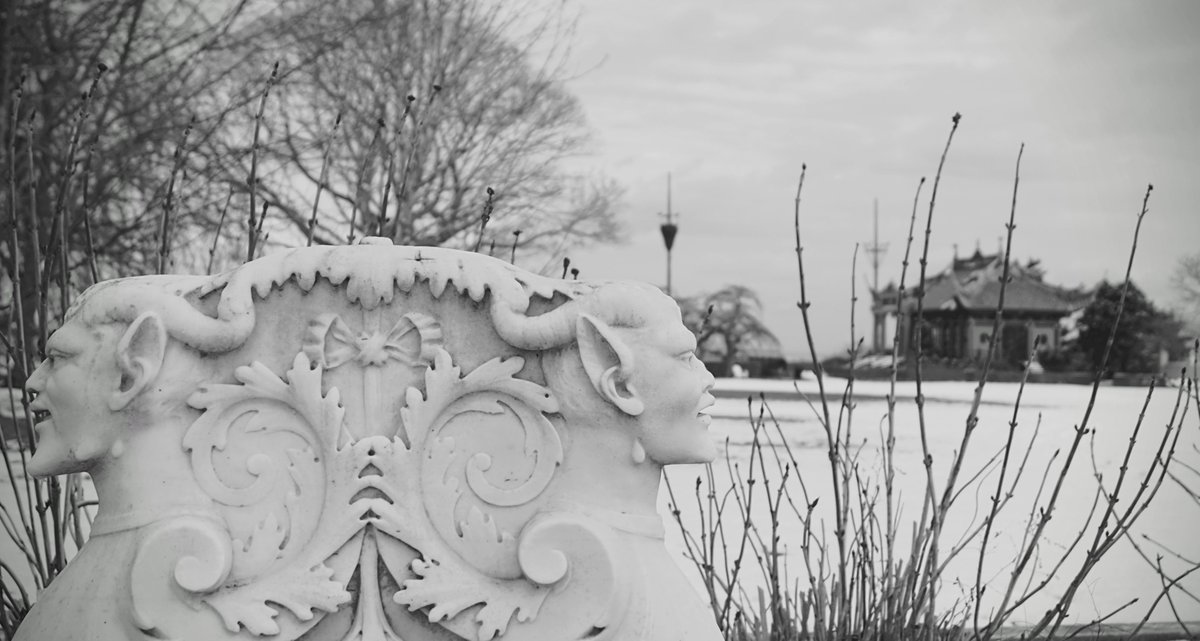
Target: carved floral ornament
x=336 y=473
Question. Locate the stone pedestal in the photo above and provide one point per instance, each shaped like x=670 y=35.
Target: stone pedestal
x=372 y=442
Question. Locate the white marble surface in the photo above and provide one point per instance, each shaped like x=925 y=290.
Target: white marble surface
x=372 y=442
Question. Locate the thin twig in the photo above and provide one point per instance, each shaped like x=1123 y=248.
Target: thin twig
x=164 y=227
x=391 y=166
x=312 y=222
x=413 y=147
x=804 y=304
x=212 y=252
x=935 y=518
x=93 y=271
x=994 y=511
x=487 y=215
x=358 y=188
x=22 y=355
x=256 y=232
x=889 y=465
x=252 y=179
x=59 y=231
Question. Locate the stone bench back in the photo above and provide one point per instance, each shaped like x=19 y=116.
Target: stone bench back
x=376 y=459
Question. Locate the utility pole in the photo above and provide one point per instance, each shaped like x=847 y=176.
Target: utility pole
x=669 y=229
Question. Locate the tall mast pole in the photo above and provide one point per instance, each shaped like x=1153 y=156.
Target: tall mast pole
x=876 y=252
x=875 y=245
x=669 y=229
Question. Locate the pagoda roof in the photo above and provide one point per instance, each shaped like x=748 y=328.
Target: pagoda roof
x=973 y=284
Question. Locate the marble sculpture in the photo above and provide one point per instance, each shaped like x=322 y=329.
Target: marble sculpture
x=371 y=442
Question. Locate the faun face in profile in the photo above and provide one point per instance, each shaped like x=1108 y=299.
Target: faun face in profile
x=641 y=364
x=85 y=388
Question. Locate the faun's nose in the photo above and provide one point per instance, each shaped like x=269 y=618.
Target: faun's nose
x=37 y=379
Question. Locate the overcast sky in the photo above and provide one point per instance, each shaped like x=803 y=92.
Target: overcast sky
x=731 y=98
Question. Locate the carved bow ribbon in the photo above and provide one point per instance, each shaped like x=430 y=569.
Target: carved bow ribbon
x=331 y=343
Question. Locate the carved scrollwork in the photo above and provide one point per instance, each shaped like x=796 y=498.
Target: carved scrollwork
x=289 y=505
x=500 y=409
x=265 y=405
x=176 y=563
x=567 y=547
x=565 y=558
x=480 y=452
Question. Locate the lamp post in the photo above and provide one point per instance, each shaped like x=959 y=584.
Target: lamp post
x=669 y=229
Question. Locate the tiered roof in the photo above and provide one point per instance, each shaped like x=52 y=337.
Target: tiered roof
x=973 y=284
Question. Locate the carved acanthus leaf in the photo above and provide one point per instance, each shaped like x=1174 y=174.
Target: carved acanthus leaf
x=450 y=592
x=480 y=531
x=444 y=386
x=297 y=510
x=255 y=556
x=300 y=590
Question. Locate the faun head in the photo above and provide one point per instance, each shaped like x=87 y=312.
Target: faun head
x=99 y=381
x=632 y=366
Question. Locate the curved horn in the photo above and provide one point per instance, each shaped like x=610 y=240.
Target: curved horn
x=124 y=299
x=544 y=331
x=556 y=327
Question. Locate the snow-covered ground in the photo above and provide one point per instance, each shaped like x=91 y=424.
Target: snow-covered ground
x=1052 y=411
x=1173 y=520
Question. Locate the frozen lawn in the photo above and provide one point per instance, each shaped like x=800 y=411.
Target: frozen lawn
x=1173 y=520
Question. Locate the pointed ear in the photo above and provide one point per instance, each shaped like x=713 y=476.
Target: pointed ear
x=140 y=354
x=608 y=362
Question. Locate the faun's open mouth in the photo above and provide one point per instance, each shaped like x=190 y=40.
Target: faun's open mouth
x=705 y=412
x=40 y=414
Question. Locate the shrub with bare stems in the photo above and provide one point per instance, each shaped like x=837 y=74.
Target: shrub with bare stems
x=867 y=577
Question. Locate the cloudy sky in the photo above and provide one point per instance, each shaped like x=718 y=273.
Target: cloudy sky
x=732 y=97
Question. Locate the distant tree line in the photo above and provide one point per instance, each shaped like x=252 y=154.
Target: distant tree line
x=1144 y=333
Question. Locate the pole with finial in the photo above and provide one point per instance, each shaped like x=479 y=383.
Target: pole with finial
x=876 y=251
x=669 y=229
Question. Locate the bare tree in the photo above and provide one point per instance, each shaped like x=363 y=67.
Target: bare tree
x=1186 y=279
x=727 y=323
x=129 y=130
x=436 y=102
x=101 y=103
